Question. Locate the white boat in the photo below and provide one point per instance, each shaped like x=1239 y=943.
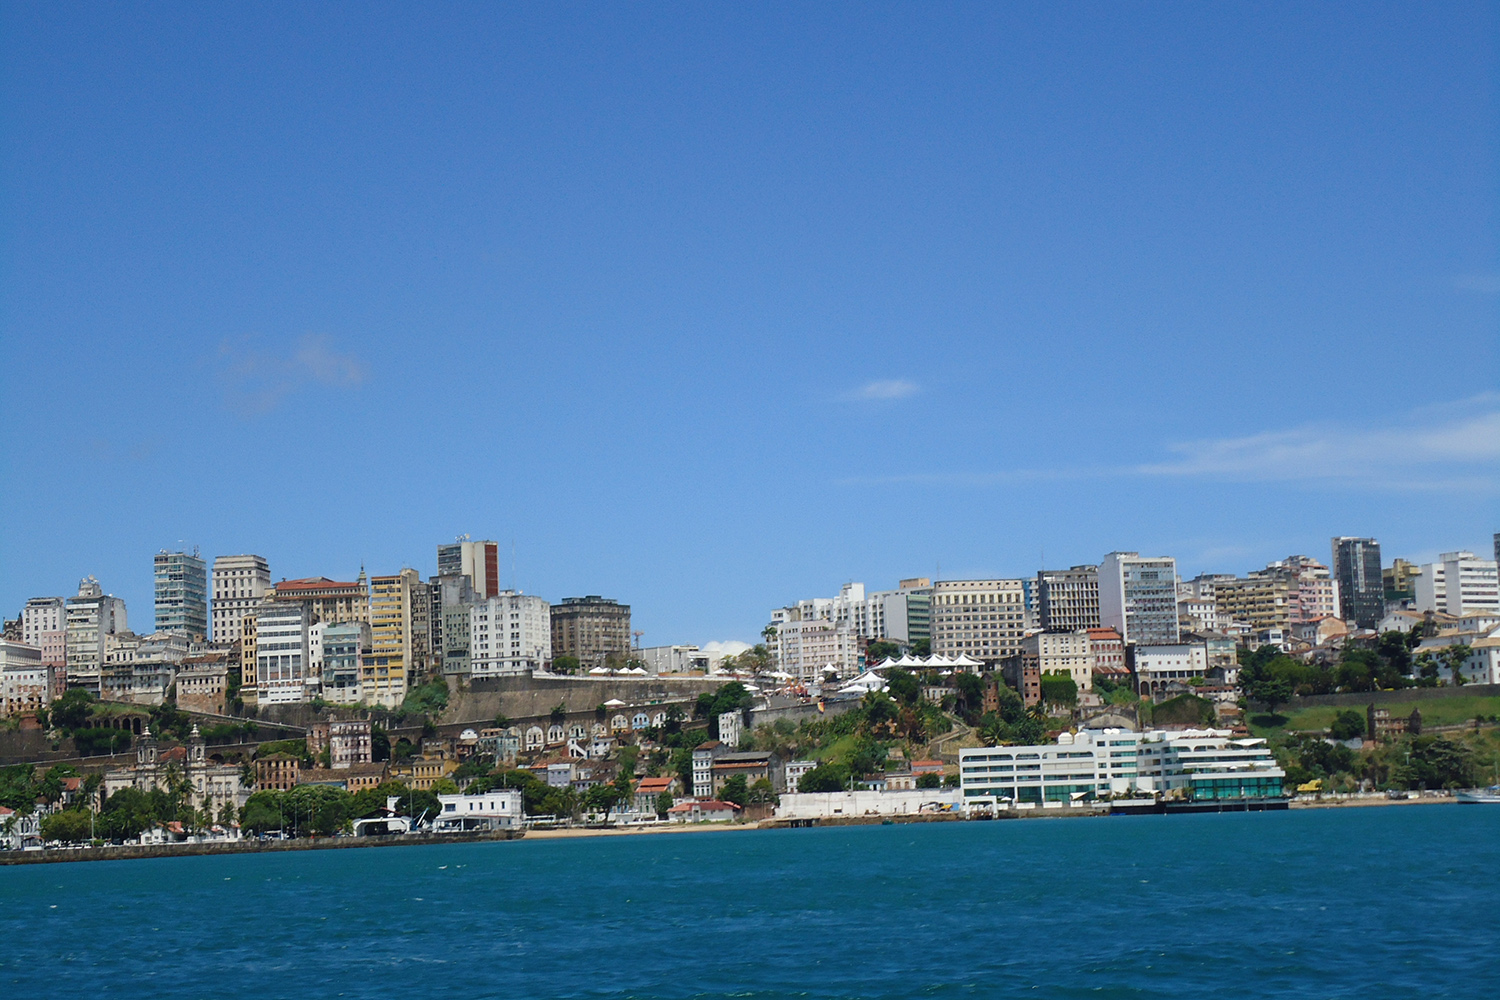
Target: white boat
x=1479 y=796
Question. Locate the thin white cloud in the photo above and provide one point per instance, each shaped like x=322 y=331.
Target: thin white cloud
x=1452 y=451
x=1484 y=284
x=1447 y=448
x=893 y=388
x=257 y=381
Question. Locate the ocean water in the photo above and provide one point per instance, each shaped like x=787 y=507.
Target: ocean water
x=1377 y=902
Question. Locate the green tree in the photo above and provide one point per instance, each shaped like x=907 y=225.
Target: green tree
x=72 y=710
x=970 y=690
x=880 y=651
x=824 y=778
x=601 y=798
x=1059 y=689
x=929 y=780
x=444 y=786
x=922 y=647
x=1272 y=691
x=904 y=687
x=762 y=793
x=663 y=804
x=1347 y=725
x=262 y=812
x=380 y=744
x=565 y=664
x=1454 y=656
x=71 y=826
x=735 y=790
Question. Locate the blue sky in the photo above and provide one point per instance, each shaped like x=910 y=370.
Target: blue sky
x=709 y=308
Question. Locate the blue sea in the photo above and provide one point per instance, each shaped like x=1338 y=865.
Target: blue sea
x=1368 y=903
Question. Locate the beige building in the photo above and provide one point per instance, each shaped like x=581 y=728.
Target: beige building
x=983 y=619
x=592 y=628
x=1260 y=601
x=239 y=583
x=203 y=684
x=23 y=679
x=327 y=600
x=1061 y=653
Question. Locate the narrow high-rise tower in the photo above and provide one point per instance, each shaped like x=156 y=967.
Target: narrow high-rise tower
x=1356 y=567
x=181 y=593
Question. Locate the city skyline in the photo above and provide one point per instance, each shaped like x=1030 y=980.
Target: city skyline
x=709 y=311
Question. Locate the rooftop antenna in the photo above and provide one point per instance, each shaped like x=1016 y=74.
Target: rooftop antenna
x=515 y=582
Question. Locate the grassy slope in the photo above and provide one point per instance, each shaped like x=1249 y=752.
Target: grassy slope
x=1435 y=712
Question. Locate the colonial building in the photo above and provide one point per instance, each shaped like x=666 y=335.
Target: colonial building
x=212 y=785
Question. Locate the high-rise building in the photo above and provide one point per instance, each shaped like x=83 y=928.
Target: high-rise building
x=1460 y=583
x=1138 y=597
x=510 y=635
x=281 y=652
x=479 y=561
x=344 y=645
x=591 y=628
x=1068 y=599
x=40 y=616
x=239 y=583
x=90 y=616
x=452 y=596
x=181 y=594
x=981 y=619
x=1356 y=571
x=388 y=668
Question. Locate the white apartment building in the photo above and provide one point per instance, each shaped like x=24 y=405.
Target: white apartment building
x=23 y=679
x=982 y=619
x=811 y=648
x=1062 y=653
x=1201 y=614
x=281 y=652
x=90 y=617
x=238 y=584
x=1159 y=667
x=1138 y=597
x=1459 y=583
x=40 y=616
x=510 y=635
x=1200 y=764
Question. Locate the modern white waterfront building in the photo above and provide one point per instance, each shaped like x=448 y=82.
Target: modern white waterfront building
x=498 y=809
x=1198 y=764
x=510 y=635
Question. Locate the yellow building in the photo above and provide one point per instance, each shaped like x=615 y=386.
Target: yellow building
x=424 y=772
x=248 y=692
x=388 y=670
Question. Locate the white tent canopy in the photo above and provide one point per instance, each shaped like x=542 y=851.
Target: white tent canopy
x=599 y=670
